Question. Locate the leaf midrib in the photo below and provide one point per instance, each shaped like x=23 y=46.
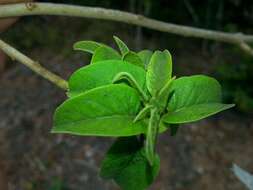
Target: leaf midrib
x=188 y=106
x=98 y=118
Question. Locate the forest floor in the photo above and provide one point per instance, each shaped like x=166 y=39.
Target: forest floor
x=199 y=157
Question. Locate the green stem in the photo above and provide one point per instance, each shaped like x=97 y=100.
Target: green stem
x=152 y=135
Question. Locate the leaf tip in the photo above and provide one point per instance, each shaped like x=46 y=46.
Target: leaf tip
x=121 y=45
x=115 y=37
x=75 y=46
x=53 y=130
x=228 y=106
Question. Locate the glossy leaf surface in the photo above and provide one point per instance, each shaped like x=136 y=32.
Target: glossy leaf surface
x=122 y=46
x=159 y=71
x=193 y=98
x=145 y=56
x=87 y=46
x=105 y=53
x=102 y=73
x=103 y=111
x=195 y=112
x=133 y=58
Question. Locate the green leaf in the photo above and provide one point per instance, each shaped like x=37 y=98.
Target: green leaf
x=133 y=58
x=103 y=73
x=121 y=152
x=145 y=56
x=103 y=111
x=192 y=90
x=193 y=98
x=159 y=71
x=87 y=46
x=122 y=46
x=195 y=112
x=105 y=53
x=125 y=162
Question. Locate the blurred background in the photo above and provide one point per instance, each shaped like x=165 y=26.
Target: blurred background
x=202 y=153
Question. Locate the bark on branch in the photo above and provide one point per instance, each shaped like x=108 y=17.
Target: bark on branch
x=33 y=65
x=24 y=9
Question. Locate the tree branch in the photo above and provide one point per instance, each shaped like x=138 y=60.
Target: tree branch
x=245 y=47
x=36 y=67
x=25 y=9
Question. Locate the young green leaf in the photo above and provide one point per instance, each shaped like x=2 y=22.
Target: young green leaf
x=194 y=98
x=143 y=113
x=125 y=162
x=87 y=46
x=103 y=73
x=104 y=53
x=145 y=56
x=103 y=111
x=122 y=46
x=133 y=83
x=133 y=58
x=163 y=96
x=159 y=71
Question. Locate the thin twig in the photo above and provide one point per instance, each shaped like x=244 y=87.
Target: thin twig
x=245 y=47
x=23 y=9
x=33 y=65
